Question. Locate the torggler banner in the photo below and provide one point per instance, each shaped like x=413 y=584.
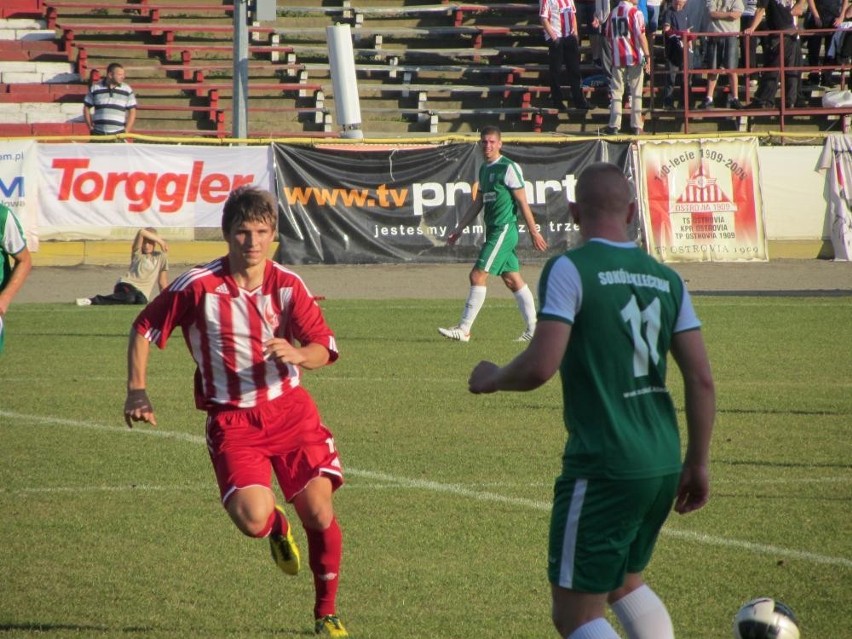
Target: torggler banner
x=374 y=205
x=113 y=185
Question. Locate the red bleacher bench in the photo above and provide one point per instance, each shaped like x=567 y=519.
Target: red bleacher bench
x=70 y=30
x=143 y=8
x=186 y=50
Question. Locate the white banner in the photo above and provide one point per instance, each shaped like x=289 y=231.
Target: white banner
x=144 y=185
x=837 y=160
x=18 y=186
x=702 y=200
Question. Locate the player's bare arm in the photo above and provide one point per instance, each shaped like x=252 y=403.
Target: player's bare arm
x=538 y=240
x=529 y=370
x=308 y=357
x=468 y=217
x=690 y=355
x=137 y=406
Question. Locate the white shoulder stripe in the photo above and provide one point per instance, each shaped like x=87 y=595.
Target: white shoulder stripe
x=186 y=279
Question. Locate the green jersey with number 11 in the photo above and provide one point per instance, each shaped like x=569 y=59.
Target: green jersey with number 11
x=624 y=308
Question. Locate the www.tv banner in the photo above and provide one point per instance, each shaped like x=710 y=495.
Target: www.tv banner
x=379 y=205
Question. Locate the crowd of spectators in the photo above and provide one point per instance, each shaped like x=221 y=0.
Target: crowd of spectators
x=715 y=39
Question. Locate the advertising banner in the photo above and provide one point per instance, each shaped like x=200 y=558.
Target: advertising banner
x=368 y=205
x=144 y=185
x=702 y=200
x=836 y=160
x=18 y=188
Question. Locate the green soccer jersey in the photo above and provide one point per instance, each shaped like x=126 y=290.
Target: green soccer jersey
x=12 y=242
x=624 y=308
x=496 y=183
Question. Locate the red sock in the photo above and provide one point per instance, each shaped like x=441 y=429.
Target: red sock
x=276 y=525
x=325 y=548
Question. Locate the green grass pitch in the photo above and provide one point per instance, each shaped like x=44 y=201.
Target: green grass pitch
x=107 y=532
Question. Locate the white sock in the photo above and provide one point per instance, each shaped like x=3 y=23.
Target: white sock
x=643 y=615
x=596 y=629
x=474 y=302
x=526 y=304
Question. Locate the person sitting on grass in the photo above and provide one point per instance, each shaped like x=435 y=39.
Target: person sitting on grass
x=148 y=266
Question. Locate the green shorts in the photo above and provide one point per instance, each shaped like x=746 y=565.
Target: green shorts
x=602 y=529
x=497 y=255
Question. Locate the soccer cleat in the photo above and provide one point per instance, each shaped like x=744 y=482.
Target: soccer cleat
x=526 y=336
x=285 y=552
x=84 y=301
x=455 y=333
x=330 y=626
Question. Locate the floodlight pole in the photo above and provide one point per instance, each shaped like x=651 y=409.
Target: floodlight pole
x=239 y=116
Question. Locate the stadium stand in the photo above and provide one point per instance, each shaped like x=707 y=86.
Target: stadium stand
x=422 y=67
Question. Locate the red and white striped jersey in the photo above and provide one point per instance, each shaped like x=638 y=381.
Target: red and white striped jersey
x=225 y=328
x=624 y=30
x=561 y=15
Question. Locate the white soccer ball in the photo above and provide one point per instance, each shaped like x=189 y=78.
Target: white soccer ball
x=765 y=618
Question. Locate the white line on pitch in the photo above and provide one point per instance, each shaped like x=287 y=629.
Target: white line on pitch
x=459 y=490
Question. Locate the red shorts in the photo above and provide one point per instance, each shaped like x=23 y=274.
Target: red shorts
x=285 y=435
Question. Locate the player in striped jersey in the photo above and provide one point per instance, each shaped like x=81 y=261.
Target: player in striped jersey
x=625 y=32
x=252 y=326
x=609 y=316
x=559 y=20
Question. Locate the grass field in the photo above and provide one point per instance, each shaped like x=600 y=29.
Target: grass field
x=107 y=532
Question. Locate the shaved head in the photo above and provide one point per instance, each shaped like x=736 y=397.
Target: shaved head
x=603 y=201
x=603 y=189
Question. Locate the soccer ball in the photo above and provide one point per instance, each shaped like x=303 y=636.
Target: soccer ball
x=765 y=618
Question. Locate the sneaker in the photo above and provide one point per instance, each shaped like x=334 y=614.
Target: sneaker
x=638 y=131
x=285 y=553
x=330 y=626
x=526 y=336
x=609 y=130
x=707 y=104
x=455 y=333
x=668 y=103
x=84 y=301
x=734 y=103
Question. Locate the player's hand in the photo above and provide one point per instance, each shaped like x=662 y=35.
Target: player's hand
x=482 y=378
x=539 y=243
x=694 y=488
x=452 y=238
x=138 y=408
x=280 y=349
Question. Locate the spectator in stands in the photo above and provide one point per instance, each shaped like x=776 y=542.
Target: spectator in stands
x=723 y=51
x=559 y=19
x=840 y=49
x=148 y=266
x=781 y=15
x=676 y=27
x=654 y=14
x=600 y=44
x=748 y=44
x=822 y=14
x=113 y=103
x=586 y=21
x=625 y=32
x=16 y=262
